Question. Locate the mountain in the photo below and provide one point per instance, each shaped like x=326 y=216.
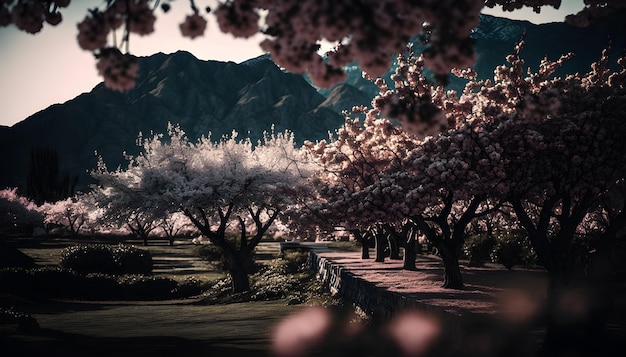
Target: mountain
x=200 y=96
x=251 y=96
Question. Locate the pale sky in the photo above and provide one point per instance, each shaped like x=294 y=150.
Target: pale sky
x=39 y=70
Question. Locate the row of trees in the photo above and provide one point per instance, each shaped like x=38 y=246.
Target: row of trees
x=545 y=153
x=524 y=150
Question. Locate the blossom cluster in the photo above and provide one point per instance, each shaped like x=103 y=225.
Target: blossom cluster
x=118 y=70
x=30 y=15
x=363 y=31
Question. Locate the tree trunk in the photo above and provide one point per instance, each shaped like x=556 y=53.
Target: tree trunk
x=410 y=254
x=381 y=243
x=238 y=275
x=452 y=272
x=364 y=241
x=365 y=250
x=394 y=249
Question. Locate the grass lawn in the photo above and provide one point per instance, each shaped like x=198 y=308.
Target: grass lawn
x=142 y=328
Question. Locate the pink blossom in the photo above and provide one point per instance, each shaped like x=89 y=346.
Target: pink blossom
x=118 y=70
x=238 y=18
x=415 y=332
x=28 y=16
x=140 y=17
x=54 y=18
x=92 y=32
x=194 y=26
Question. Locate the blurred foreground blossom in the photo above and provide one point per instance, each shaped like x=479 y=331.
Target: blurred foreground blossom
x=415 y=333
x=118 y=70
x=299 y=333
x=194 y=26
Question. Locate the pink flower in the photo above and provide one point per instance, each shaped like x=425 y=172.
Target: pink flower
x=53 y=18
x=92 y=32
x=141 y=19
x=193 y=26
x=119 y=70
x=28 y=16
x=240 y=19
x=322 y=75
x=298 y=333
x=415 y=332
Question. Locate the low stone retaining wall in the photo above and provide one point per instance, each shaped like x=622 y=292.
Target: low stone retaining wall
x=374 y=301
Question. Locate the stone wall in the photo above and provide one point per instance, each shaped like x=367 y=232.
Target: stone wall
x=374 y=301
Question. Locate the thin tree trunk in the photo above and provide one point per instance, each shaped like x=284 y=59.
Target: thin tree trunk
x=410 y=254
x=365 y=250
x=394 y=249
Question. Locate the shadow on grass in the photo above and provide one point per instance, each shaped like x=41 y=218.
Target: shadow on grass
x=48 y=342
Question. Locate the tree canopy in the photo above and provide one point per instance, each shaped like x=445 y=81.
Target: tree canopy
x=225 y=186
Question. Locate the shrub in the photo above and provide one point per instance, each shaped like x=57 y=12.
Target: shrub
x=47 y=283
x=190 y=287
x=295 y=260
x=477 y=248
x=209 y=252
x=16 y=281
x=52 y=282
x=132 y=260
x=24 y=322
x=512 y=248
x=91 y=258
x=98 y=286
x=106 y=259
x=141 y=287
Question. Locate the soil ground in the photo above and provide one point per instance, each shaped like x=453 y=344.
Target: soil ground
x=184 y=327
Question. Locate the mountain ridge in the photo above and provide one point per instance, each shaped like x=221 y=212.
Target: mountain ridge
x=253 y=96
x=200 y=96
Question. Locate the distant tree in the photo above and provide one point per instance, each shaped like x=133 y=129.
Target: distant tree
x=219 y=186
x=70 y=213
x=173 y=225
x=18 y=214
x=45 y=181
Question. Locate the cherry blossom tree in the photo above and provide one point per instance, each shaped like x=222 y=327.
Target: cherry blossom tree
x=563 y=165
x=559 y=145
x=364 y=31
x=442 y=181
x=17 y=213
x=70 y=213
x=220 y=186
x=359 y=156
x=173 y=225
